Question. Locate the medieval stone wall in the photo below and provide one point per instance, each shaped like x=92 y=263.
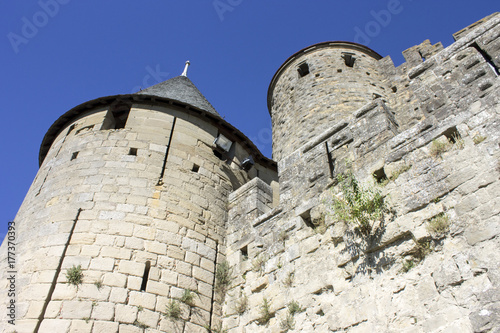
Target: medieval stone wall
x=431 y=147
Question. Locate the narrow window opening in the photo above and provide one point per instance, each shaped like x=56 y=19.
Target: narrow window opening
x=71 y=128
x=487 y=58
x=349 y=59
x=452 y=135
x=218 y=154
x=331 y=166
x=195 y=168
x=303 y=69
x=145 y=276
x=380 y=175
x=339 y=70
x=244 y=252
x=132 y=151
x=421 y=55
x=75 y=155
x=367 y=73
x=306 y=217
x=317 y=75
x=394 y=89
x=116 y=118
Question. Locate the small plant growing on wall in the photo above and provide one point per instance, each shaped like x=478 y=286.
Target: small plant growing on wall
x=265 y=312
x=258 y=263
x=407 y=265
x=288 y=323
x=288 y=281
x=439 y=147
x=98 y=285
x=75 y=275
x=140 y=325
x=282 y=236
x=188 y=297
x=402 y=169
x=294 y=307
x=242 y=305
x=358 y=205
x=173 y=310
x=439 y=224
x=223 y=277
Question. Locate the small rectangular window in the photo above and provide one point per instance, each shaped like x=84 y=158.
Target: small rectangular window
x=244 y=252
x=380 y=175
x=133 y=151
x=303 y=69
x=349 y=59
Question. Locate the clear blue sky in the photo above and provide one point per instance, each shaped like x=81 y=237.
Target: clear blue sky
x=57 y=54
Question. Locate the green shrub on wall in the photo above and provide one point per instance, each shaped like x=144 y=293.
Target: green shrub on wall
x=357 y=204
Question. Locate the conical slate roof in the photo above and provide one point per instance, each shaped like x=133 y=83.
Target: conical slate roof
x=180 y=88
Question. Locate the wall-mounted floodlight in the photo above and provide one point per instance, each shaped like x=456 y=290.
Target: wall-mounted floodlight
x=223 y=143
x=247 y=163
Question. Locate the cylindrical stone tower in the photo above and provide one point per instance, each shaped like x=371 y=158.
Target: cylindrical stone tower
x=318 y=86
x=132 y=196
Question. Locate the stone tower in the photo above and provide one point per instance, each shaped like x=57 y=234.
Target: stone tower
x=318 y=85
x=133 y=190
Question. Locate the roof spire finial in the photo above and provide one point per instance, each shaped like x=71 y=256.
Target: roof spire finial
x=185 y=72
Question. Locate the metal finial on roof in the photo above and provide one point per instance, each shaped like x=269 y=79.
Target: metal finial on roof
x=186 y=69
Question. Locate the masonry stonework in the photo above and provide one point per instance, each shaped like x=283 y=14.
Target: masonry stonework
x=140 y=192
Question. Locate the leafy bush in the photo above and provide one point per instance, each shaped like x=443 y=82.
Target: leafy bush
x=359 y=205
x=75 y=275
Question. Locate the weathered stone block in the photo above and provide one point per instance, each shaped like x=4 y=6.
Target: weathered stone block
x=125 y=313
